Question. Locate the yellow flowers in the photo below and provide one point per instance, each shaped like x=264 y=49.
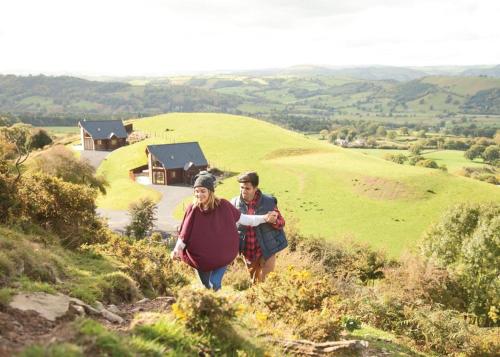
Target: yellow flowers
x=261 y=317
x=178 y=312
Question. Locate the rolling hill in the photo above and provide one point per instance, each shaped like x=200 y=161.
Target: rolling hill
x=328 y=191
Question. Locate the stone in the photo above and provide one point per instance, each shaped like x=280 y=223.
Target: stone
x=114 y=309
x=111 y=317
x=49 y=306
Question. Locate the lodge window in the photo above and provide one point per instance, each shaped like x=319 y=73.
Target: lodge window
x=159 y=177
x=99 y=142
x=172 y=174
x=113 y=141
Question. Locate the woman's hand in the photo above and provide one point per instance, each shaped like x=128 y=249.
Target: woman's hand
x=175 y=255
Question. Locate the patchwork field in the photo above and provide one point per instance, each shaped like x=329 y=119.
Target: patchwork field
x=453 y=159
x=328 y=191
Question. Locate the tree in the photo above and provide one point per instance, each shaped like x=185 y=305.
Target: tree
x=466 y=242
x=323 y=133
x=491 y=153
x=60 y=162
x=497 y=137
x=391 y=135
x=19 y=136
x=381 y=131
x=397 y=158
x=474 y=151
x=415 y=149
x=143 y=216
x=39 y=139
x=404 y=130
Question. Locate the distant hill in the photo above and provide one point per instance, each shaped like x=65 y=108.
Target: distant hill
x=304 y=98
x=42 y=98
x=367 y=73
x=489 y=72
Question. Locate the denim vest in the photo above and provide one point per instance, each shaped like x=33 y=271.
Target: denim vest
x=270 y=240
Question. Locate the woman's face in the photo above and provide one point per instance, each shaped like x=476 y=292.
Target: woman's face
x=201 y=194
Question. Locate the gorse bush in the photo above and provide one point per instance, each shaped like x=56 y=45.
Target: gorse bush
x=346 y=260
x=203 y=311
x=301 y=300
x=147 y=263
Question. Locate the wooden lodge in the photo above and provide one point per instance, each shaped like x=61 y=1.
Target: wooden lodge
x=103 y=135
x=175 y=163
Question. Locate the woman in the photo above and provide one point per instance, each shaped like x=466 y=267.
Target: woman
x=208 y=239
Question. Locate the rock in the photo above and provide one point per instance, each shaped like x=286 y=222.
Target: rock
x=99 y=306
x=137 y=309
x=80 y=310
x=114 y=309
x=111 y=317
x=143 y=301
x=304 y=347
x=167 y=299
x=48 y=306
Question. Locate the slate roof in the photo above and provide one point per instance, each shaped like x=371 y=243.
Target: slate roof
x=176 y=156
x=104 y=129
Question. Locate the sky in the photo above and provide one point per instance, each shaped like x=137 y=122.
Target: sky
x=164 y=37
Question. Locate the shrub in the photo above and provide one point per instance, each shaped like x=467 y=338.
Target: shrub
x=346 y=260
x=301 y=301
x=415 y=159
x=466 y=242
x=147 y=263
x=118 y=287
x=431 y=164
x=442 y=331
x=203 y=311
x=485 y=343
x=61 y=162
x=64 y=208
x=143 y=216
x=397 y=158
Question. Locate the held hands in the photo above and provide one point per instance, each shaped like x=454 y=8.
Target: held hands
x=271 y=217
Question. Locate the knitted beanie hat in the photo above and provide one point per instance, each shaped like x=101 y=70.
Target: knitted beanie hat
x=205 y=180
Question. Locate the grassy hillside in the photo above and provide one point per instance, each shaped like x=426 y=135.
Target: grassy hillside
x=331 y=192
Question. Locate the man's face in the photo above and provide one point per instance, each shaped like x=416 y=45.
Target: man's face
x=247 y=191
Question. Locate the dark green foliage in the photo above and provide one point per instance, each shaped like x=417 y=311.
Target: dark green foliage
x=431 y=164
x=142 y=217
x=39 y=139
x=397 y=158
x=484 y=102
x=474 y=151
x=491 y=153
x=466 y=242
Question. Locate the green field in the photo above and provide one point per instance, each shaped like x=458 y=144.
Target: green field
x=61 y=130
x=453 y=159
x=330 y=191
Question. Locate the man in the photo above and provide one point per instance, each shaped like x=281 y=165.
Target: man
x=260 y=244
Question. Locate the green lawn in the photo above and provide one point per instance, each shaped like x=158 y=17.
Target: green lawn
x=330 y=191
